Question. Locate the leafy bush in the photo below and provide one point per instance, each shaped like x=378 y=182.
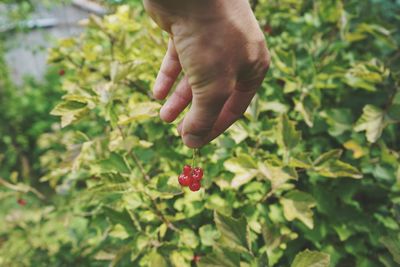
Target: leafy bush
x=311 y=170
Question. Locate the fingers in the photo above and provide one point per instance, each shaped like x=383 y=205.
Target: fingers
x=169 y=72
x=177 y=102
x=206 y=106
x=234 y=108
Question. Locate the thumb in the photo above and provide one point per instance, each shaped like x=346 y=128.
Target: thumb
x=207 y=104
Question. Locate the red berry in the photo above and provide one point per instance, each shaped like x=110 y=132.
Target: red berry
x=61 y=72
x=184 y=180
x=197 y=174
x=196 y=258
x=21 y=202
x=268 y=29
x=195 y=186
x=187 y=170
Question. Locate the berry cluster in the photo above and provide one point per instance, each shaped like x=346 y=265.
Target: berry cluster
x=191 y=177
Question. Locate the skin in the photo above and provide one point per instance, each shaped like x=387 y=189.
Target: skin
x=222 y=52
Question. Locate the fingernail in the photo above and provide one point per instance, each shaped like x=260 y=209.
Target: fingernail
x=193 y=141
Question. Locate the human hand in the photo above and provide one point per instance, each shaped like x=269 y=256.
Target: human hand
x=222 y=52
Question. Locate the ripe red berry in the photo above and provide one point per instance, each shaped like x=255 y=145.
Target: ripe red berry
x=195 y=186
x=197 y=174
x=267 y=29
x=184 y=180
x=21 y=202
x=61 y=72
x=187 y=170
x=196 y=258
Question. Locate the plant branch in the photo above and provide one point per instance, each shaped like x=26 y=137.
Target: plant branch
x=146 y=177
x=22 y=188
x=135 y=158
x=169 y=224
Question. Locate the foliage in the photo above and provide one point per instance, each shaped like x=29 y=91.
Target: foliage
x=309 y=177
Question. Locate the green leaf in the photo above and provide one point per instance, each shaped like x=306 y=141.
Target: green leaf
x=262 y=260
x=67 y=107
x=372 y=122
x=355 y=147
x=244 y=168
x=119 y=71
x=156 y=259
x=166 y=188
x=188 y=238
x=278 y=175
x=115 y=163
x=366 y=75
x=208 y=235
x=307 y=105
x=178 y=259
x=283 y=61
x=139 y=112
x=238 y=132
x=298 y=205
x=334 y=154
x=335 y=169
x=286 y=133
x=394 y=113
x=70 y=111
x=306 y=111
x=309 y=258
x=340 y=120
x=234 y=232
x=301 y=160
x=392 y=243
x=221 y=257
x=121 y=217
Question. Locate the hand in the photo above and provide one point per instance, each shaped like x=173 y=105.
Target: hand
x=222 y=52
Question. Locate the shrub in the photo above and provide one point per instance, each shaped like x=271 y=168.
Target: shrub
x=311 y=170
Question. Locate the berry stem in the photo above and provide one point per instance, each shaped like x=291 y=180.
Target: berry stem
x=194 y=157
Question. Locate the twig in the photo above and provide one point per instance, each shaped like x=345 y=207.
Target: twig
x=135 y=158
x=169 y=224
x=22 y=188
x=147 y=177
x=139 y=88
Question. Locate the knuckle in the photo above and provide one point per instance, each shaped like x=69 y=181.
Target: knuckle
x=256 y=65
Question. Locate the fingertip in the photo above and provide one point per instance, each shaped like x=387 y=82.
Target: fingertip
x=193 y=141
x=160 y=92
x=157 y=95
x=166 y=114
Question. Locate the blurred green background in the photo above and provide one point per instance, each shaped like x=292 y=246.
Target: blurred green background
x=310 y=176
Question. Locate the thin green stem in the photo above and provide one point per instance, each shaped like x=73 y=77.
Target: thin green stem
x=194 y=157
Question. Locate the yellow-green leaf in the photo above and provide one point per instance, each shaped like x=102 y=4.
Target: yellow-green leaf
x=298 y=205
x=333 y=154
x=372 y=122
x=221 y=257
x=234 y=232
x=286 y=133
x=140 y=112
x=309 y=258
x=278 y=175
x=244 y=168
x=392 y=243
x=337 y=169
